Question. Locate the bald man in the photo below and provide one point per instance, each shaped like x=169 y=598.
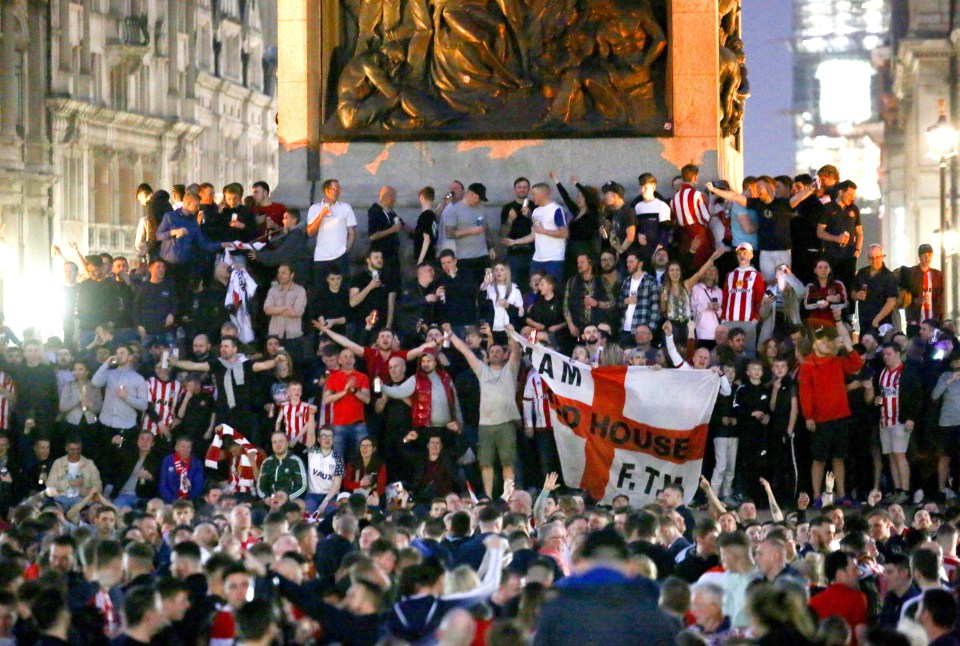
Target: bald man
x=383 y=227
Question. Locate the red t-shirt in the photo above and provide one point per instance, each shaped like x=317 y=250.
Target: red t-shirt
x=348 y=409
x=377 y=365
x=842 y=601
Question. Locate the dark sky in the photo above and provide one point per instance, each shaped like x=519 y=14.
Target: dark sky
x=769 y=146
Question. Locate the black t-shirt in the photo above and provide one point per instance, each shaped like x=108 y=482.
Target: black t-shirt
x=380 y=220
x=880 y=287
x=331 y=305
x=521 y=227
x=623 y=218
x=98 y=301
x=375 y=300
x=803 y=228
x=546 y=312
x=839 y=219
x=775 y=217
x=426 y=224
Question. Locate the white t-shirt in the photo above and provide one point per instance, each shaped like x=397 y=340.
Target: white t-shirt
x=321 y=469
x=546 y=248
x=500 y=316
x=628 y=315
x=332 y=236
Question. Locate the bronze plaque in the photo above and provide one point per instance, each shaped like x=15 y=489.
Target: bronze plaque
x=494 y=69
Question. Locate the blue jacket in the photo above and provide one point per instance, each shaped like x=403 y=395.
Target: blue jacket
x=603 y=606
x=170 y=481
x=183 y=250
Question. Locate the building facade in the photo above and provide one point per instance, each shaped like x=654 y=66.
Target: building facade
x=923 y=62
x=837 y=91
x=100 y=95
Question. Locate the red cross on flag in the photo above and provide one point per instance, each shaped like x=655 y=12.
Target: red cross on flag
x=623 y=430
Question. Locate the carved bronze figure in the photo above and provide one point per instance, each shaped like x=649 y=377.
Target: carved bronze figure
x=734 y=87
x=489 y=68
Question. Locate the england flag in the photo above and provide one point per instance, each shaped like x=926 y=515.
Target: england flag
x=626 y=430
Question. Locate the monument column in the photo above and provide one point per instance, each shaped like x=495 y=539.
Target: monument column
x=298 y=95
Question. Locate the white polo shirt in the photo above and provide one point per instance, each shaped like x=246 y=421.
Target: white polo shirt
x=332 y=236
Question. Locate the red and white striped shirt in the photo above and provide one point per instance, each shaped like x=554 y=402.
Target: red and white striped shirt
x=536 y=405
x=5 y=404
x=742 y=295
x=926 y=297
x=163 y=397
x=890 y=396
x=689 y=207
x=295 y=418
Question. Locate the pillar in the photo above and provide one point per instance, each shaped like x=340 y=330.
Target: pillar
x=8 y=54
x=299 y=72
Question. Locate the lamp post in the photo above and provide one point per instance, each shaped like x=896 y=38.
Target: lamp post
x=941 y=146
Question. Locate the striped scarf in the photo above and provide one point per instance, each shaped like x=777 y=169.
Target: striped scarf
x=241 y=468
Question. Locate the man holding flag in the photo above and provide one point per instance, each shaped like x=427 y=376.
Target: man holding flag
x=615 y=431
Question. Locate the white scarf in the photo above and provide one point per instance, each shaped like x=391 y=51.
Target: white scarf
x=241 y=288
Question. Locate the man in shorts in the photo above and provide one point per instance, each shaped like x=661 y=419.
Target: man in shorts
x=498 y=405
x=823 y=400
x=898 y=396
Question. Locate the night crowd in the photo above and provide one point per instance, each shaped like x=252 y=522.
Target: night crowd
x=268 y=429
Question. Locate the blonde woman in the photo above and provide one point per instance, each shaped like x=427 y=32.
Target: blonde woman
x=505 y=298
x=675 y=301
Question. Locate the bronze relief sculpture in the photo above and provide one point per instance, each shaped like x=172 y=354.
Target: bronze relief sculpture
x=734 y=86
x=429 y=69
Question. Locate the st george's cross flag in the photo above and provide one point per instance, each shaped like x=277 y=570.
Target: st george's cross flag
x=626 y=430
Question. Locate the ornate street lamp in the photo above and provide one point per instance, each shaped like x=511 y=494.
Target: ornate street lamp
x=941 y=146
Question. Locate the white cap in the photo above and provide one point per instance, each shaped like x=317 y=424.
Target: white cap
x=745 y=245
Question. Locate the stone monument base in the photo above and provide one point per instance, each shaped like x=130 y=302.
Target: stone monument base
x=363 y=167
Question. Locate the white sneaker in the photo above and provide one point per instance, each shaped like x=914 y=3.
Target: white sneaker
x=918 y=496
x=948 y=493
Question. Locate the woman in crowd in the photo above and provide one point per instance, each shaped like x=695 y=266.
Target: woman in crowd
x=367 y=471
x=503 y=299
x=826 y=298
x=706 y=302
x=585 y=225
x=675 y=299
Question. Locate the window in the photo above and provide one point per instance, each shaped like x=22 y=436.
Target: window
x=118 y=88
x=20 y=73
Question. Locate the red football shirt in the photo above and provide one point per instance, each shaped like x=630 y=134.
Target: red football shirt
x=348 y=409
x=377 y=365
x=842 y=601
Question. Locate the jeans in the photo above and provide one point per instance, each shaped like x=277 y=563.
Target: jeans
x=770 y=260
x=126 y=500
x=313 y=500
x=322 y=267
x=68 y=501
x=346 y=438
x=520 y=269
x=550 y=267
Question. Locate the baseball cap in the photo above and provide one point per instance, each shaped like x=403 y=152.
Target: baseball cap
x=613 y=187
x=745 y=245
x=343 y=495
x=479 y=189
x=924 y=248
